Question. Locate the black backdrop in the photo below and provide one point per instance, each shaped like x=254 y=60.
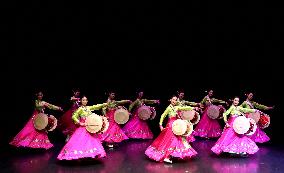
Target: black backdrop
x=124 y=46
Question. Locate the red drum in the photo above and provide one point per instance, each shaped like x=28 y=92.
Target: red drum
x=264 y=121
x=44 y=122
x=252 y=127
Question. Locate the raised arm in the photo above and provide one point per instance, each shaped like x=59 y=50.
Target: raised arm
x=259 y=106
x=213 y=100
x=191 y=103
x=146 y=101
x=184 y=108
x=97 y=106
x=122 y=102
x=246 y=110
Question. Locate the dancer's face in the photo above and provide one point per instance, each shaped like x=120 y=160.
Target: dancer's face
x=236 y=101
x=84 y=101
x=181 y=95
x=77 y=94
x=210 y=93
x=250 y=96
x=112 y=96
x=140 y=94
x=39 y=96
x=174 y=100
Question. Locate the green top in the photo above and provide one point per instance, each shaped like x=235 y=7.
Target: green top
x=40 y=105
x=112 y=104
x=237 y=110
x=184 y=103
x=139 y=102
x=207 y=100
x=171 y=111
x=84 y=111
x=252 y=105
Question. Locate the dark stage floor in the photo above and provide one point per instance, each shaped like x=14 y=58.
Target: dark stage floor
x=129 y=157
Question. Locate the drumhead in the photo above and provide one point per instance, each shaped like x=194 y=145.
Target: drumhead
x=241 y=125
x=94 y=123
x=213 y=112
x=144 y=112
x=255 y=116
x=121 y=116
x=188 y=115
x=264 y=121
x=40 y=121
x=179 y=127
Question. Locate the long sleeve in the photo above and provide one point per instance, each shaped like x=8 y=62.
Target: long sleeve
x=52 y=107
x=190 y=103
x=104 y=110
x=225 y=114
x=148 y=101
x=133 y=105
x=246 y=110
x=244 y=105
x=76 y=114
x=213 y=100
x=97 y=106
x=259 y=106
x=163 y=116
x=121 y=102
x=184 y=108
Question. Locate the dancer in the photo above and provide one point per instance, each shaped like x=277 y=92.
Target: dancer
x=83 y=144
x=114 y=134
x=167 y=144
x=207 y=127
x=182 y=102
x=30 y=137
x=136 y=127
x=66 y=125
x=230 y=141
x=259 y=136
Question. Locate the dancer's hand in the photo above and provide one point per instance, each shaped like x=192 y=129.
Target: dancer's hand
x=157 y=101
x=161 y=128
x=271 y=107
x=82 y=124
x=227 y=125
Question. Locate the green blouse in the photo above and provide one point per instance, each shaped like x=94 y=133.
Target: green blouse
x=84 y=111
x=171 y=111
x=237 y=110
x=40 y=105
x=252 y=104
x=139 y=102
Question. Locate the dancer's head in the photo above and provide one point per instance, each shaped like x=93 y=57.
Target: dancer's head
x=180 y=94
x=84 y=101
x=236 y=101
x=39 y=95
x=173 y=100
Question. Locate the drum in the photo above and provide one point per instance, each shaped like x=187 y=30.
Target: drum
x=105 y=125
x=144 y=112
x=215 y=112
x=264 y=121
x=241 y=125
x=52 y=123
x=44 y=122
x=121 y=116
x=94 y=123
x=195 y=119
x=188 y=115
x=153 y=115
x=255 y=116
x=252 y=127
x=182 y=127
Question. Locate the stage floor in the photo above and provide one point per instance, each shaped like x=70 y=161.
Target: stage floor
x=129 y=157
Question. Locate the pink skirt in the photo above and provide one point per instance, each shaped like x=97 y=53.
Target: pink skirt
x=232 y=142
x=137 y=128
x=66 y=124
x=207 y=127
x=30 y=137
x=168 y=144
x=82 y=144
x=114 y=133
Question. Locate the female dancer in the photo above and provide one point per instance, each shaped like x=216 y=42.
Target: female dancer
x=259 y=136
x=207 y=127
x=167 y=144
x=66 y=124
x=231 y=142
x=182 y=102
x=137 y=128
x=114 y=134
x=82 y=144
x=29 y=136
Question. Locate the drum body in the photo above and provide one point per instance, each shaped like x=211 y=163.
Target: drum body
x=44 y=122
x=182 y=127
x=264 y=121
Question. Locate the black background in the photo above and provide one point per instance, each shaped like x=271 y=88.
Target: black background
x=159 y=47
